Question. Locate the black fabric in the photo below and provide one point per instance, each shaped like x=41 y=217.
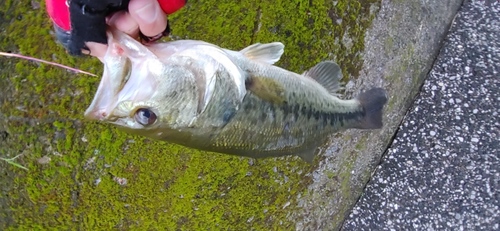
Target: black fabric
x=88 y=22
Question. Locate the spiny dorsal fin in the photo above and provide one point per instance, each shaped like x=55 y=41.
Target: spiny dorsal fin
x=266 y=88
x=267 y=53
x=328 y=74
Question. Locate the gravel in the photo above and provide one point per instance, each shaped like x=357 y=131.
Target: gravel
x=442 y=171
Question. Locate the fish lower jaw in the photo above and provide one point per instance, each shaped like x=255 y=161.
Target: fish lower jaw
x=99 y=115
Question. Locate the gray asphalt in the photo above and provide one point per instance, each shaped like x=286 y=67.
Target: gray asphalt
x=442 y=171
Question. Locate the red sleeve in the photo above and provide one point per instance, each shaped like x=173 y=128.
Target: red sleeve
x=171 y=6
x=59 y=13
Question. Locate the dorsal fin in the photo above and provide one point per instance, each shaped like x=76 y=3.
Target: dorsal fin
x=266 y=53
x=328 y=74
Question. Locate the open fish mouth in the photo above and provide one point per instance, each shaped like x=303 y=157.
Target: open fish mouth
x=123 y=79
x=117 y=93
x=101 y=108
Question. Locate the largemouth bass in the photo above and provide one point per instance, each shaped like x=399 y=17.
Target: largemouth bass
x=202 y=96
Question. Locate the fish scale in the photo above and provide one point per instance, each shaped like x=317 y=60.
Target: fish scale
x=268 y=135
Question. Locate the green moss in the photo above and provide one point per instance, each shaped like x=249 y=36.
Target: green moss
x=360 y=145
x=167 y=185
x=315 y=31
x=345 y=186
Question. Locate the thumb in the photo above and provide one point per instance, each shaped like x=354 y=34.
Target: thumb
x=149 y=16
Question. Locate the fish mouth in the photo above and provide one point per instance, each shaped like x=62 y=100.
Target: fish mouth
x=101 y=106
x=125 y=78
x=116 y=98
x=111 y=81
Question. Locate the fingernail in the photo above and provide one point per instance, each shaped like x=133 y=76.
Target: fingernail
x=85 y=52
x=147 y=13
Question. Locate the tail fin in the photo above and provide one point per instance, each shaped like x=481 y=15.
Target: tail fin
x=372 y=102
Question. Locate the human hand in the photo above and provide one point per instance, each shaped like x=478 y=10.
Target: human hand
x=81 y=25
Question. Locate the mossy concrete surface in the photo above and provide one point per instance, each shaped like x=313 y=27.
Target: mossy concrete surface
x=91 y=176
x=400 y=47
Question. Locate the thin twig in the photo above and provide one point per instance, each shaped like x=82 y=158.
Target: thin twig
x=46 y=62
x=11 y=161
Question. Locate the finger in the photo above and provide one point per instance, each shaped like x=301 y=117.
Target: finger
x=125 y=23
x=96 y=49
x=149 y=15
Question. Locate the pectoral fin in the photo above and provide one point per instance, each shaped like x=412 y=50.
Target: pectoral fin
x=267 y=53
x=267 y=89
x=205 y=91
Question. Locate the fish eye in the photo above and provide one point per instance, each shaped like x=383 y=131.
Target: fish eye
x=145 y=116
